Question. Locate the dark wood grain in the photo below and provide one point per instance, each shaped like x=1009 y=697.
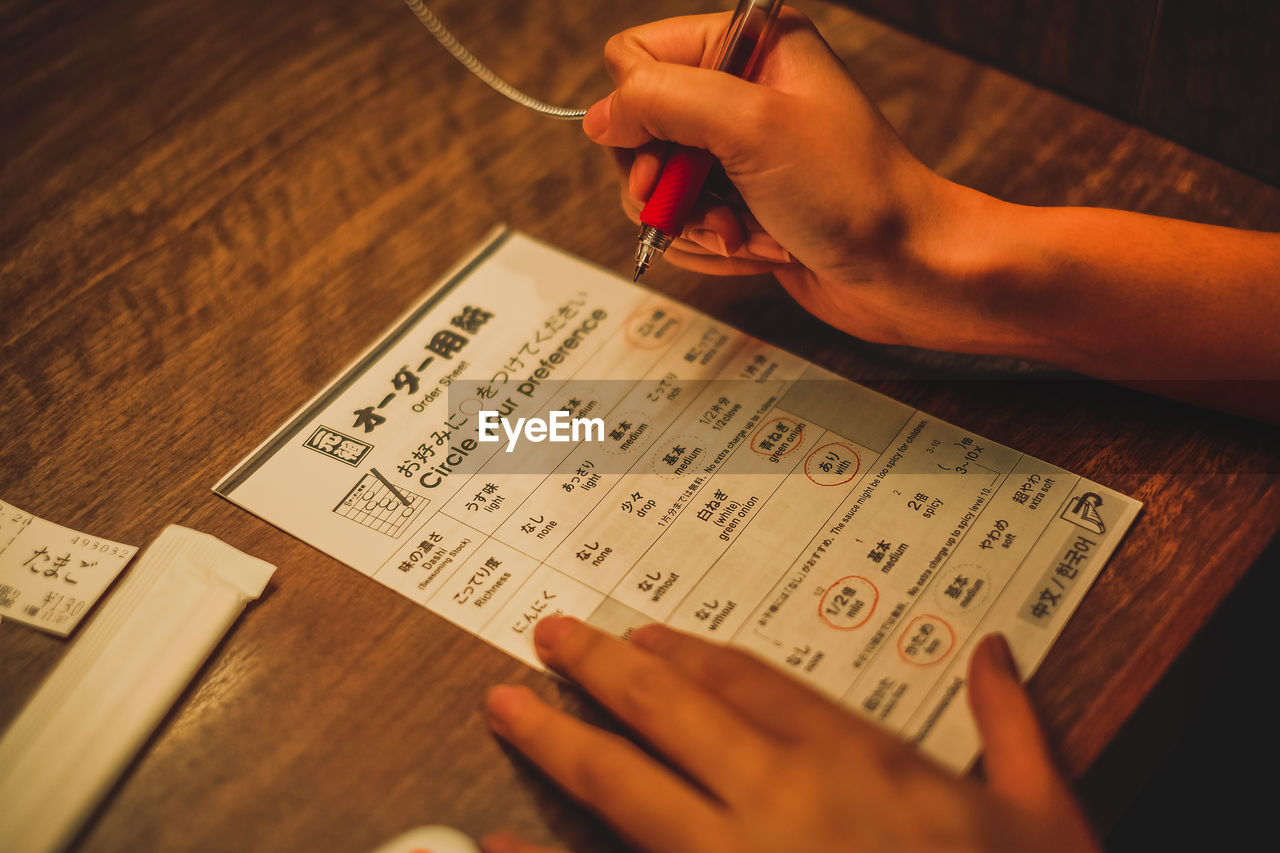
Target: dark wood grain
x=1094 y=50
x=1213 y=80
x=210 y=207
x=1202 y=72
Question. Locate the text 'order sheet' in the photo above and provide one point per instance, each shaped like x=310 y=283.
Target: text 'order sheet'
x=705 y=479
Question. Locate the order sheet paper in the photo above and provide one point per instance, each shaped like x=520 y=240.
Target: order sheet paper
x=671 y=468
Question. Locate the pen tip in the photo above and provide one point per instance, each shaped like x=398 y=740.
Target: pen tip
x=639 y=270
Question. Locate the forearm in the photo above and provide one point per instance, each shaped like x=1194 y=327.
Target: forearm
x=1180 y=308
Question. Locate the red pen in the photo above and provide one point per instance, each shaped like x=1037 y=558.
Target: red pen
x=685 y=169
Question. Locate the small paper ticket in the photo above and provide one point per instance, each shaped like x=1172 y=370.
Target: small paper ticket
x=50 y=575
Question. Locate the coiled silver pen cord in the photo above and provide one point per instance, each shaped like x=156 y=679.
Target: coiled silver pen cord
x=478 y=68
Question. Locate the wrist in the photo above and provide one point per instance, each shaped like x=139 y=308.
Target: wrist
x=971 y=248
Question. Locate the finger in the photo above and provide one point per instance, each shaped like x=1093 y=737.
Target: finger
x=759 y=254
x=607 y=773
x=694 y=40
x=509 y=842
x=698 y=239
x=733 y=231
x=776 y=703
x=645 y=169
x=687 y=40
x=760 y=245
x=1016 y=756
x=705 y=240
x=720 y=223
x=715 y=265
x=760 y=242
x=658 y=100
x=623 y=159
x=689 y=726
x=709 y=243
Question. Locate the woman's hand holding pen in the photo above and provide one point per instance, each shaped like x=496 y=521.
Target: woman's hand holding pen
x=845 y=217
x=873 y=242
x=763 y=763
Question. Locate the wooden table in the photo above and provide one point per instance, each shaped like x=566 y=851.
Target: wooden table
x=209 y=207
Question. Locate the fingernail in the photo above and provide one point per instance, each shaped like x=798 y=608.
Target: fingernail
x=504 y=705
x=596 y=121
x=996 y=649
x=709 y=239
x=550 y=632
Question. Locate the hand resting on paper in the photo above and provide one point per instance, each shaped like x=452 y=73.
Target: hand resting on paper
x=763 y=763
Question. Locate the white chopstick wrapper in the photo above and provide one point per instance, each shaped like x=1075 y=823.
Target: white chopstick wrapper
x=116 y=683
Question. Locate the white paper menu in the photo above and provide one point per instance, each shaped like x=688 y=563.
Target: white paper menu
x=717 y=483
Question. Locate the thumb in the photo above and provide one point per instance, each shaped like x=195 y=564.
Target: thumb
x=689 y=106
x=1016 y=756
